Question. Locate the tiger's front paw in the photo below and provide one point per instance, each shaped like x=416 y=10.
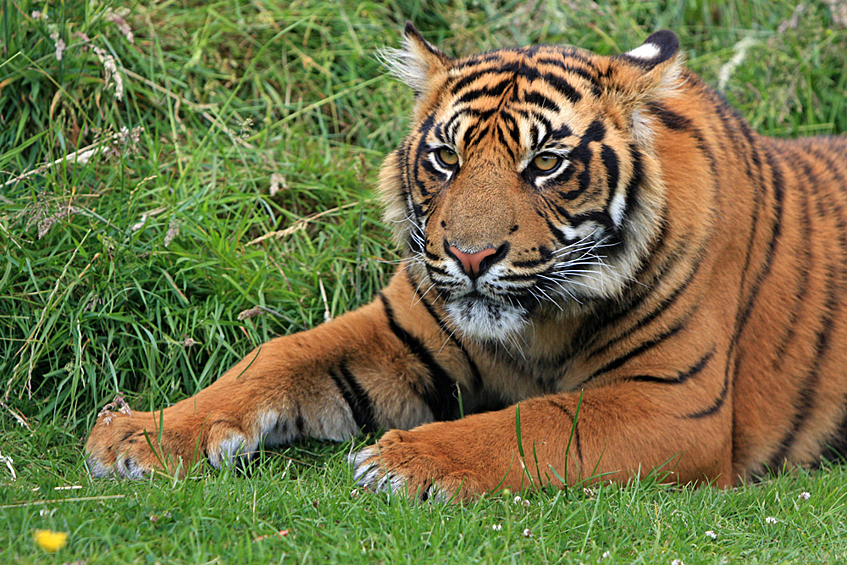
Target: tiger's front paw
x=420 y=465
x=131 y=444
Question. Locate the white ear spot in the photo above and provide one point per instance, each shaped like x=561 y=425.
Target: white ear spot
x=645 y=52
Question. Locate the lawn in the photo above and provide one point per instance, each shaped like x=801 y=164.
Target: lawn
x=181 y=181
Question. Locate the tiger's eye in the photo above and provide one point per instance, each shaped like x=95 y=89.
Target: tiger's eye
x=448 y=156
x=546 y=161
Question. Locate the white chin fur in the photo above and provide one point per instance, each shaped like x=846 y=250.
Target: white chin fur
x=485 y=320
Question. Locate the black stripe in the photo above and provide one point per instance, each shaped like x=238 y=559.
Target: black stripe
x=669 y=119
x=439 y=393
x=677 y=122
x=566 y=68
x=540 y=100
x=807 y=393
x=778 y=184
x=482 y=133
x=433 y=269
x=505 y=143
x=560 y=85
x=666 y=303
x=424 y=129
x=513 y=128
x=529 y=263
x=716 y=405
x=633 y=187
x=493 y=91
x=645 y=346
x=804 y=259
x=356 y=398
x=468 y=135
x=610 y=161
x=469 y=78
x=571 y=418
x=475 y=374
x=681 y=378
x=596 y=132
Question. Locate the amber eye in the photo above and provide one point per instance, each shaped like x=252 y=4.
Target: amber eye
x=447 y=156
x=546 y=162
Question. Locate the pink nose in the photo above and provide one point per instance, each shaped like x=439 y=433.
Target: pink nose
x=471 y=261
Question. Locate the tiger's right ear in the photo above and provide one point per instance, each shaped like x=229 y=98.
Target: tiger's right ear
x=647 y=72
x=418 y=63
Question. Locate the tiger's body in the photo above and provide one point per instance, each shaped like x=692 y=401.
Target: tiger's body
x=601 y=239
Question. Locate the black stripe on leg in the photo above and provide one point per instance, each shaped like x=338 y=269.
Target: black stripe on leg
x=356 y=398
x=571 y=418
x=440 y=394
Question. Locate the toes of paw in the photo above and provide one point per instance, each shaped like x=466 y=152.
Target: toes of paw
x=232 y=450
x=97 y=468
x=129 y=467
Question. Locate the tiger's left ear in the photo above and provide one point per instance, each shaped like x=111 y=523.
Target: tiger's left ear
x=647 y=72
x=418 y=64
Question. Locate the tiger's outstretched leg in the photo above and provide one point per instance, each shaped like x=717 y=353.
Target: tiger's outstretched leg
x=369 y=369
x=621 y=430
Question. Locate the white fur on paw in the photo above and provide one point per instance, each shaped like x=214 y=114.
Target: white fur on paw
x=356 y=458
x=229 y=450
x=126 y=467
x=97 y=469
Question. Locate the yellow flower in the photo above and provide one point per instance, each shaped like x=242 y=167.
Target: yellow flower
x=51 y=541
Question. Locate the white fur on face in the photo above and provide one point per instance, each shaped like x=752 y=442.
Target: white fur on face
x=486 y=320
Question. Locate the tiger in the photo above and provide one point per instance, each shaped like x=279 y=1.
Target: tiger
x=605 y=273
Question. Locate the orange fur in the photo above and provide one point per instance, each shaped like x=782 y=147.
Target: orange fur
x=669 y=295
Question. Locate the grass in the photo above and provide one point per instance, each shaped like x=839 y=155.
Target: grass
x=126 y=268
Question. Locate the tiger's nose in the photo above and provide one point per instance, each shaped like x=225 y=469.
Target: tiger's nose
x=475 y=264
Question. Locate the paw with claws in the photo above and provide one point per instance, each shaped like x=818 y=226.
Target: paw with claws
x=132 y=444
x=439 y=461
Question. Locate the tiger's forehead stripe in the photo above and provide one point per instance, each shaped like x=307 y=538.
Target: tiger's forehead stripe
x=551 y=65
x=529 y=83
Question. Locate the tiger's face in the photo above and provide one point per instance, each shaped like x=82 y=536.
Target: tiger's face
x=523 y=189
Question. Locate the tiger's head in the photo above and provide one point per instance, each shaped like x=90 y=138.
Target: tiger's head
x=528 y=184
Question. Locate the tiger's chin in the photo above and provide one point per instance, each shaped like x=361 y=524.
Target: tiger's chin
x=483 y=319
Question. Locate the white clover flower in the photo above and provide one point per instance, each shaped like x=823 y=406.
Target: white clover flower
x=677 y=562
x=711 y=534
x=59 y=43
x=771 y=520
x=527 y=533
x=517 y=500
x=804 y=495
